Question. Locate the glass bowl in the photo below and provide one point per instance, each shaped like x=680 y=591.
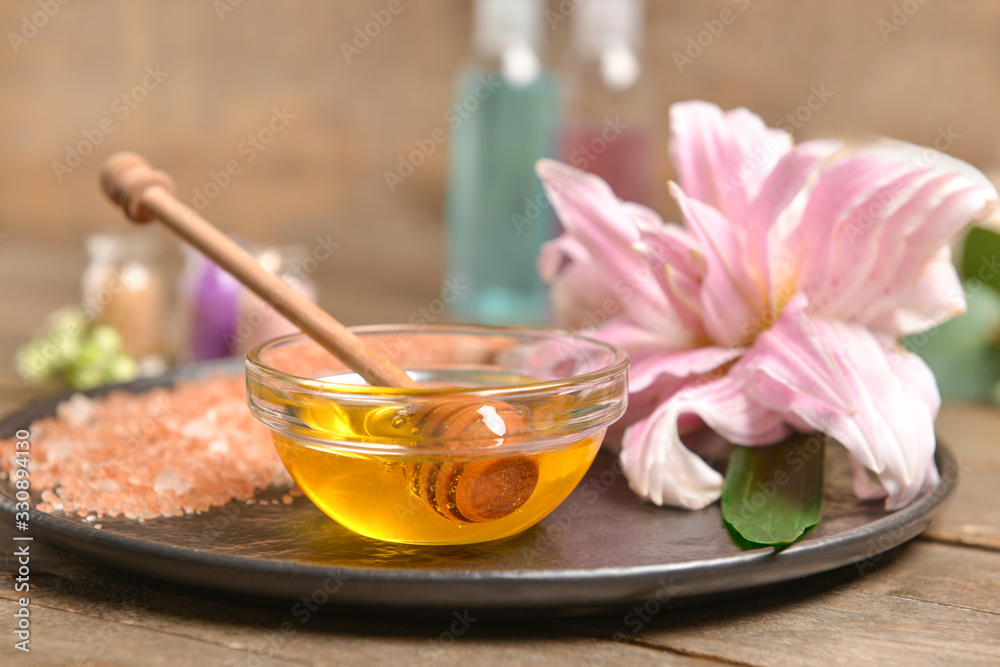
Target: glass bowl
x=507 y=424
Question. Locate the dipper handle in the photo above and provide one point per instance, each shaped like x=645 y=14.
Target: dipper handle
x=145 y=194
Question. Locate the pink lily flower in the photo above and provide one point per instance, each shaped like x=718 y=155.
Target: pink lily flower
x=778 y=305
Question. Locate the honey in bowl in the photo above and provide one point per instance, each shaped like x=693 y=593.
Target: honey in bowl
x=485 y=452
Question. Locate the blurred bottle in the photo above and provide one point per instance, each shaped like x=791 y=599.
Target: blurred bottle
x=504 y=119
x=609 y=102
x=124 y=286
x=219 y=317
x=257 y=322
x=208 y=298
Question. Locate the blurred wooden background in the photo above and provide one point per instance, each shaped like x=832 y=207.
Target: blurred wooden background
x=898 y=67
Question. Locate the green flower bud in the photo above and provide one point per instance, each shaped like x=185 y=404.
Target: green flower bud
x=122 y=368
x=106 y=338
x=84 y=378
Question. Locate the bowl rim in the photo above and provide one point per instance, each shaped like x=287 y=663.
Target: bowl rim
x=619 y=363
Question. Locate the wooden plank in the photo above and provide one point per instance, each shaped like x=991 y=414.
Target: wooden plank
x=122 y=634
x=923 y=603
x=64 y=638
x=79 y=609
x=973 y=518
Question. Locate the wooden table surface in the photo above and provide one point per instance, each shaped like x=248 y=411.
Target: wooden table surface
x=933 y=601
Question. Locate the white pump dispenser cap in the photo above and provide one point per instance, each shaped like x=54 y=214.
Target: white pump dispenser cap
x=510 y=30
x=611 y=31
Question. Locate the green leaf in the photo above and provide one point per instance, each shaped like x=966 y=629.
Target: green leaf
x=773 y=494
x=964 y=352
x=981 y=257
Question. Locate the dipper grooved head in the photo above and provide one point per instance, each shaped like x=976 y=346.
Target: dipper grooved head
x=473 y=489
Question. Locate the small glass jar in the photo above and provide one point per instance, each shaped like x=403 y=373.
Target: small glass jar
x=124 y=286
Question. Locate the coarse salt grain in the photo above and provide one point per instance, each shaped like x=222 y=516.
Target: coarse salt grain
x=77 y=411
x=169 y=480
x=219 y=446
x=167 y=452
x=108 y=485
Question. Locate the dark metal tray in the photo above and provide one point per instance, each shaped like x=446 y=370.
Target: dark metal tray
x=602 y=549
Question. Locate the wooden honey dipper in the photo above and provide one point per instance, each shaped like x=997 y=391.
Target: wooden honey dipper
x=473 y=490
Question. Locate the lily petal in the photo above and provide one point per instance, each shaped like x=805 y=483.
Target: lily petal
x=577 y=290
x=603 y=254
x=876 y=219
x=790 y=369
x=783 y=184
x=722 y=158
x=646 y=368
x=891 y=433
x=956 y=205
x=557 y=253
x=677 y=247
x=840 y=190
x=937 y=297
x=856 y=245
x=877 y=296
x=590 y=212
x=730 y=298
x=658 y=465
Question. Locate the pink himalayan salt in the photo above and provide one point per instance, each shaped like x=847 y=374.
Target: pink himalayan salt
x=167 y=452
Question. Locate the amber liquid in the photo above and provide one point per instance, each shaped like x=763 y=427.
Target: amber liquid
x=375 y=494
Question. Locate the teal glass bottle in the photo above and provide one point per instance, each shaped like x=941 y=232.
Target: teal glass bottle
x=505 y=117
